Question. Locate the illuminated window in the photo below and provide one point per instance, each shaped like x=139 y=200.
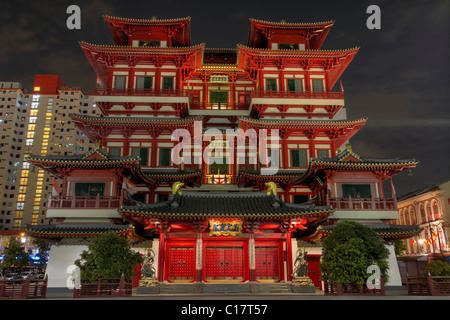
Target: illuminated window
x=37 y=89
x=31 y=127
x=20 y=205
x=32 y=120
x=36 y=97
x=29 y=142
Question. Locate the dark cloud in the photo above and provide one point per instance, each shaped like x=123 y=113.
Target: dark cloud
x=399 y=79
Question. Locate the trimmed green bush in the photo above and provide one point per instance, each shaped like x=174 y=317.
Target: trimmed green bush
x=349 y=250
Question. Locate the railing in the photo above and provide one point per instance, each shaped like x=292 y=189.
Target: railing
x=351 y=289
x=23 y=289
x=363 y=203
x=219 y=106
x=426 y=286
x=77 y=202
x=298 y=94
x=140 y=92
x=119 y=288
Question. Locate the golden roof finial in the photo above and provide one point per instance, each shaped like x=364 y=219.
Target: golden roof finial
x=97 y=144
x=176 y=187
x=283 y=20
x=349 y=147
x=272 y=188
x=154 y=18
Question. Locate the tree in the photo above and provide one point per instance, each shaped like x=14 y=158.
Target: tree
x=438 y=269
x=15 y=255
x=349 y=251
x=108 y=256
x=399 y=247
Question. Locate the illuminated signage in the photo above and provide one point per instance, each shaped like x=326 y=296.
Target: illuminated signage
x=218 y=79
x=218 y=144
x=225 y=228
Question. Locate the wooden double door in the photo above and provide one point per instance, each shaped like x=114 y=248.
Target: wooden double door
x=267 y=263
x=224 y=261
x=181 y=263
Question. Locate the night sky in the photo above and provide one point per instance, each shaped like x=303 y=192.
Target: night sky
x=399 y=79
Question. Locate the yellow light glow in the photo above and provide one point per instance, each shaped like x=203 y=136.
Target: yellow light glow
x=37 y=88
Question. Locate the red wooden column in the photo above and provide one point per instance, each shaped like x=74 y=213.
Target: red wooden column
x=199 y=227
x=289 y=268
x=251 y=227
x=163 y=228
x=161 y=258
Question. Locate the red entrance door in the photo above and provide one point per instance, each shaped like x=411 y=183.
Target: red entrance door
x=267 y=263
x=224 y=263
x=314 y=269
x=181 y=263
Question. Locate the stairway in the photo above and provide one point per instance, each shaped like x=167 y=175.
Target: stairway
x=274 y=288
x=170 y=288
x=226 y=288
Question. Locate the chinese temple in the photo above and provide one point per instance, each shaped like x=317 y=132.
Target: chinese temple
x=217 y=215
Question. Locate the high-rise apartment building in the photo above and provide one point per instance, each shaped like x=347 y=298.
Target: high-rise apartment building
x=36 y=122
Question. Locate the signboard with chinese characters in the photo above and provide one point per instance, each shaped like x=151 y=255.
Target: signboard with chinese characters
x=218 y=78
x=225 y=228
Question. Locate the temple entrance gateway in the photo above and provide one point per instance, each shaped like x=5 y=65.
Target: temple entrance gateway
x=224 y=263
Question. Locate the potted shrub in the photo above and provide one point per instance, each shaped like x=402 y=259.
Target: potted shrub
x=347 y=254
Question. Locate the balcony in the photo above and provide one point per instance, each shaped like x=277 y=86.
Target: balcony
x=219 y=106
x=373 y=204
x=84 y=202
x=140 y=92
x=298 y=94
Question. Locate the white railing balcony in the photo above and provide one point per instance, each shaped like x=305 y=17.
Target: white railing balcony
x=85 y=202
x=363 y=203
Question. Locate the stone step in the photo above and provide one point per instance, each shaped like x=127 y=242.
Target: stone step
x=274 y=288
x=176 y=288
x=226 y=288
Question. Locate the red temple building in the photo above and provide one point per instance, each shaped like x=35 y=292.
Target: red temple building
x=220 y=216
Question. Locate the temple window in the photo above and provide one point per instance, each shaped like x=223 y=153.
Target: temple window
x=300 y=198
x=356 y=191
x=288 y=46
x=142 y=153
x=317 y=85
x=299 y=158
x=271 y=84
x=294 y=85
x=322 y=153
x=114 y=151
x=167 y=82
x=119 y=82
x=91 y=189
x=143 y=82
x=164 y=157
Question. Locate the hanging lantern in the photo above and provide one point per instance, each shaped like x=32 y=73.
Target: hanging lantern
x=413 y=241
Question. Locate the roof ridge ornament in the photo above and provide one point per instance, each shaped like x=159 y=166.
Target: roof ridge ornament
x=176 y=187
x=272 y=188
